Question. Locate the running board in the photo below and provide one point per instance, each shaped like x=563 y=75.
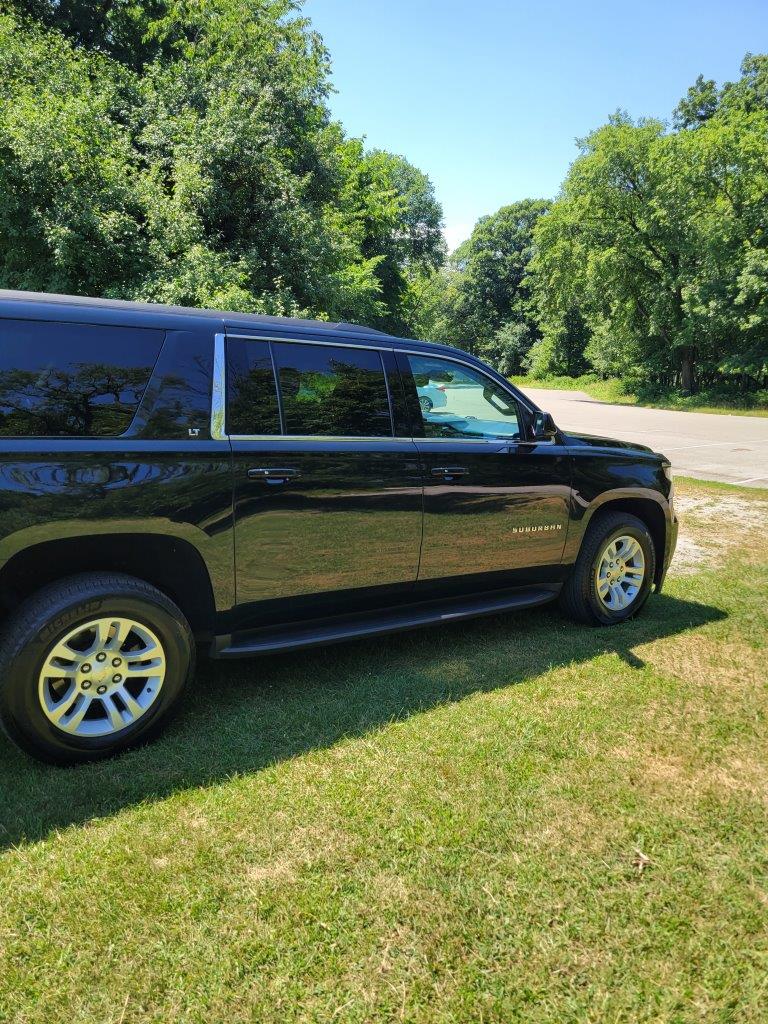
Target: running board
x=272 y=639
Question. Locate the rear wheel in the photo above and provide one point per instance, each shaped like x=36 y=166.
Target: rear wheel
x=92 y=665
x=614 y=572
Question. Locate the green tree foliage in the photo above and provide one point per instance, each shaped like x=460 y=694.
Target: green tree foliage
x=183 y=151
x=561 y=350
x=397 y=222
x=659 y=241
x=698 y=104
x=481 y=301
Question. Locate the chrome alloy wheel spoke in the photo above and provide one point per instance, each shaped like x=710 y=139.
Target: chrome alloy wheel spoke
x=620 y=573
x=69 y=712
x=101 y=677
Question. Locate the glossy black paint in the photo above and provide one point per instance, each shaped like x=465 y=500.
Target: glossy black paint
x=357 y=524
x=344 y=532
x=508 y=513
x=79 y=489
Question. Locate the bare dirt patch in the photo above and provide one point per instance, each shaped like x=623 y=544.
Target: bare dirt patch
x=711 y=524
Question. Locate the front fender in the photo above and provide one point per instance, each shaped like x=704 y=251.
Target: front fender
x=638 y=486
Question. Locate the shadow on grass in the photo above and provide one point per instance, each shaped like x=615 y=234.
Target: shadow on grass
x=245 y=715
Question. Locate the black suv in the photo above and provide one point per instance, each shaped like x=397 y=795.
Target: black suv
x=173 y=477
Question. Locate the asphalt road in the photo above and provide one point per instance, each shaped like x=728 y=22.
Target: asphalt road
x=704 y=445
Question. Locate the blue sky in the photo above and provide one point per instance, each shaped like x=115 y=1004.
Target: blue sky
x=487 y=97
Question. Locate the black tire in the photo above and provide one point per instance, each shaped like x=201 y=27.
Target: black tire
x=426 y=403
x=47 y=617
x=579 y=598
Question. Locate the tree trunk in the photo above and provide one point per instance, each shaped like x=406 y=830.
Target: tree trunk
x=687 y=377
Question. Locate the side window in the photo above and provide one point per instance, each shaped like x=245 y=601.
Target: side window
x=251 y=393
x=457 y=401
x=73 y=380
x=332 y=391
x=178 y=399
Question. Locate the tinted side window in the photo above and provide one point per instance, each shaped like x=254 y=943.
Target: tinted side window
x=251 y=393
x=332 y=391
x=78 y=380
x=458 y=401
x=178 y=398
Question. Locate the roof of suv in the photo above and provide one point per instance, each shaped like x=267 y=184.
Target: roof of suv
x=152 y=310
x=119 y=312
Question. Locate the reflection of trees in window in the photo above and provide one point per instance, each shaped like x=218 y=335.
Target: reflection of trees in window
x=84 y=400
x=252 y=406
x=348 y=400
x=178 y=401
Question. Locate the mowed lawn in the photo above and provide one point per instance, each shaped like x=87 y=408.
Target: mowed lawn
x=515 y=819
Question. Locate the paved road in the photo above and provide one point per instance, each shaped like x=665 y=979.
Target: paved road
x=703 y=445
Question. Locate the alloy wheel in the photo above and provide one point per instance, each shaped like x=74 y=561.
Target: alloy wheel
x=101 y=677
x=620 y=573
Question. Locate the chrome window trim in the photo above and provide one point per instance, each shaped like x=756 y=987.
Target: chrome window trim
x=500 y=441
x=309 y=341
x=219 y=390
x=324 y=438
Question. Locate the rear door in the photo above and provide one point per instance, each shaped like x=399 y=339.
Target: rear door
x=328 y=502
x=496 y=505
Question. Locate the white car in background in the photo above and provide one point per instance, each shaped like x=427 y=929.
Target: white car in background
x=432 y=396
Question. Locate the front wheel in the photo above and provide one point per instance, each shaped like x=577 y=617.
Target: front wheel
x=614 y=572
x=92 y=665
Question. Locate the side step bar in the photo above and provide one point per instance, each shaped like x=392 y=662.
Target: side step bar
x=318 y=632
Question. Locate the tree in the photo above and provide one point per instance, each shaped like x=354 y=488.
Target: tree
x=508 y=348
x=698 y=105
x=398 y=223
x=658 y=238
x=562 y=348
x=481 y=300
x=184 y=152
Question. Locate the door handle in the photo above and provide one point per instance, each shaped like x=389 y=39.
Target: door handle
x=447 y=472
x=273 y=476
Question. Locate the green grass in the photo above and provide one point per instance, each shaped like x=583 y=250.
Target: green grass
x=516 y=819
x=614 y=391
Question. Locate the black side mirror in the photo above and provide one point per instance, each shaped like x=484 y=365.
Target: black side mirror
x=544 y=428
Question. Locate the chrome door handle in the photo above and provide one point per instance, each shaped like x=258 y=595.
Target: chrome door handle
x=273 y=476
x=449 y=471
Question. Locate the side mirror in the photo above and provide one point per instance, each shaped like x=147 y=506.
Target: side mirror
x=544 y=428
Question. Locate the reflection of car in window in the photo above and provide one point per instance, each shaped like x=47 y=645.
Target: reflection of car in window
x=177 y=479
x=431 y=396
x=469 y=402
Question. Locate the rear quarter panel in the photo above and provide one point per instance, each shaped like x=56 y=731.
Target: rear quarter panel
x=66 y=488
x=164 y=477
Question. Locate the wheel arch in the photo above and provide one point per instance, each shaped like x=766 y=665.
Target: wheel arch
x=649 y=506
x=171 y=564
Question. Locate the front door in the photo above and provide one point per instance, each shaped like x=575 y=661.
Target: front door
x=328 y=503
x=495 y=504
